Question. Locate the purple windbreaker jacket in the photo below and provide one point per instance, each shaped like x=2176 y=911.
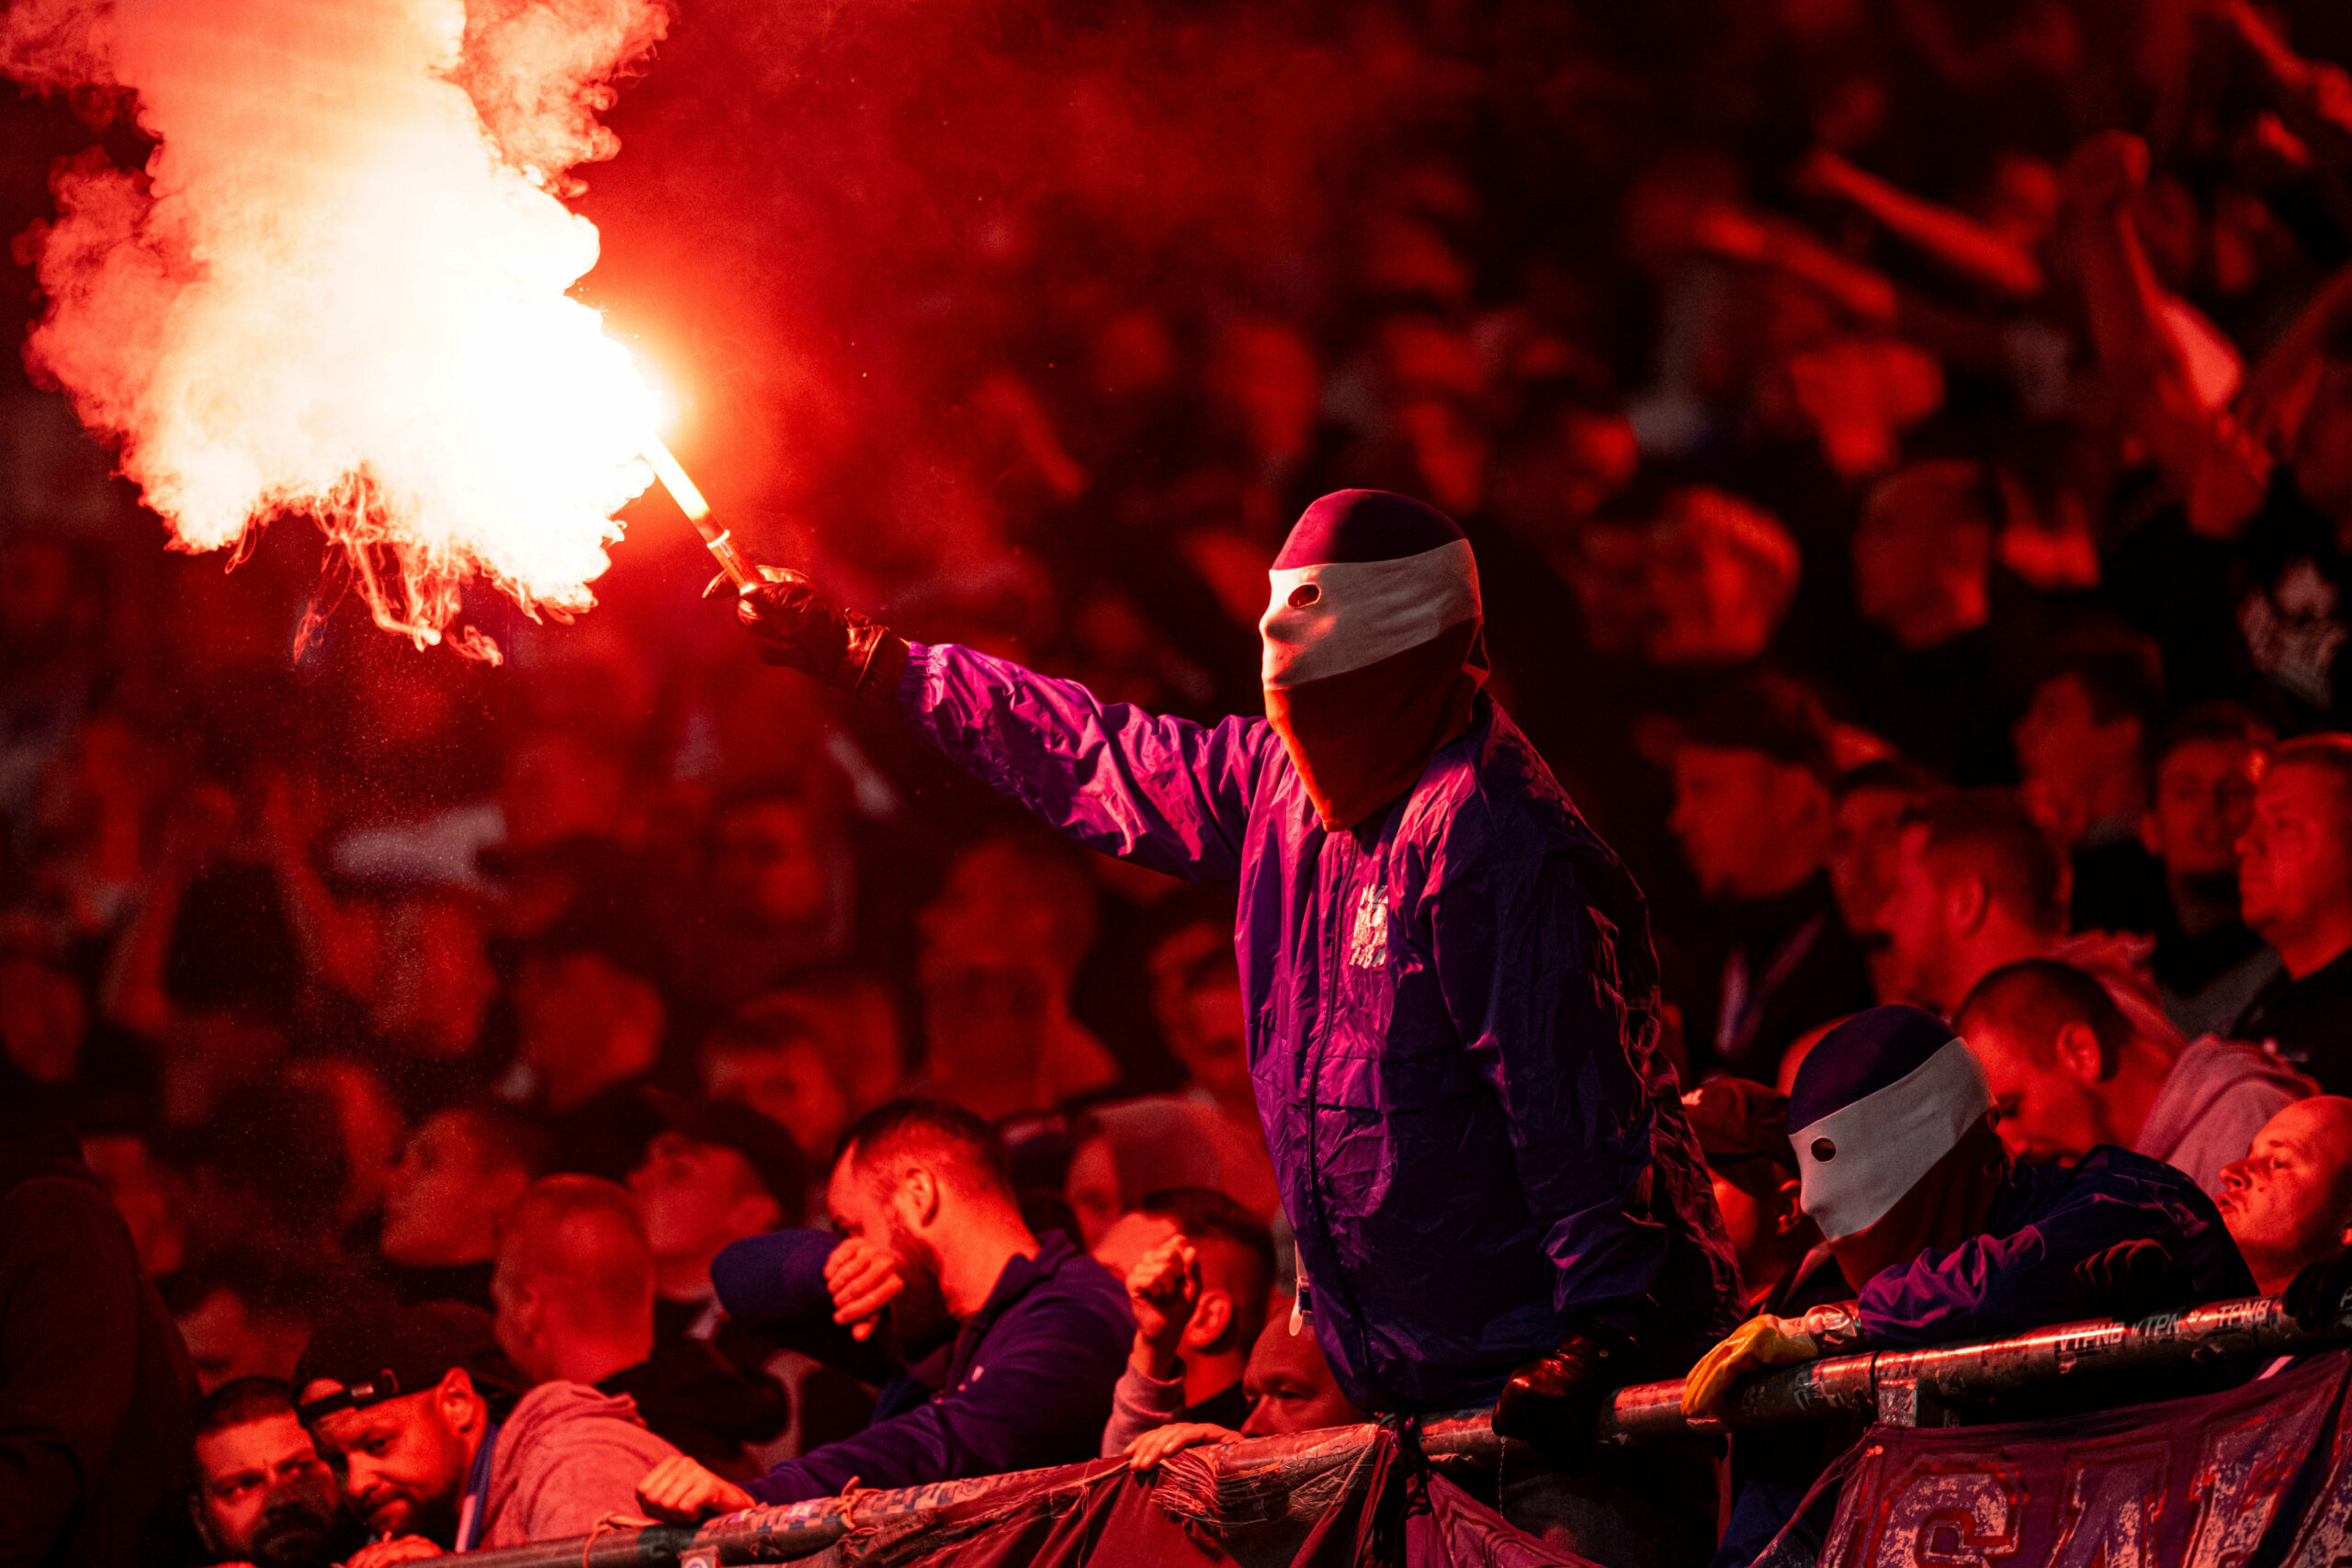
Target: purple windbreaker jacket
x=1452 y=1027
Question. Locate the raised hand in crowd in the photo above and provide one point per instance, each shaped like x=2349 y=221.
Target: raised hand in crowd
x=1163 y=1288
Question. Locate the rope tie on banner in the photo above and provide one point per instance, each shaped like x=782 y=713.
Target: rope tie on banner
x=1413 y=1495
x=850 y=1496
x=611 y=1523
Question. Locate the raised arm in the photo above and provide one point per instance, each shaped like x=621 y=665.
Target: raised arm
x=1962 y=245
x=1165 y=793
x=2314 y=97
x=2220 y=473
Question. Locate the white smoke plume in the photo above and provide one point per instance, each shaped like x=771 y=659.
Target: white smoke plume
x=338 y=288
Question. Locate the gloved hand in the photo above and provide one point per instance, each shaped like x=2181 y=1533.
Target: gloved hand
x=2129 y=1280
x=2314 y=1298
x=1763 y=1341
x=800 y=626
x=1553 y=1402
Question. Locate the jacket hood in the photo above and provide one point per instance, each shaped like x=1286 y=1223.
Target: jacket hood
x=539 y=1414
x=2206 y=1070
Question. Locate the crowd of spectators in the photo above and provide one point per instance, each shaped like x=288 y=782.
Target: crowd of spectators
x=1907 y=447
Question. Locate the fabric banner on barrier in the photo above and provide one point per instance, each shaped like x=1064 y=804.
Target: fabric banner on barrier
x=1301 y=1514
x=2260 y=1475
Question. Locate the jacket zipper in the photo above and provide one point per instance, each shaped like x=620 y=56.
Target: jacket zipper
x=1311 y=1074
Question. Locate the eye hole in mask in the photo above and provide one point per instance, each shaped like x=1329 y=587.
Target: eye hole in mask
x=1303 y=595
x=1823 y=1149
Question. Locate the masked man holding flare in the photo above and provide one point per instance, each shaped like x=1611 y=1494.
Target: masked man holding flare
x=1452 y=999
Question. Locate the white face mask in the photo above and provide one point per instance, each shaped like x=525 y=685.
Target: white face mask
x=1857 y=1162
x=1322 y=621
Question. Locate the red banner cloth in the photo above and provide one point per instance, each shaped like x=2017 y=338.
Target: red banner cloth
x=1307 y=1511
x=2259 y=1476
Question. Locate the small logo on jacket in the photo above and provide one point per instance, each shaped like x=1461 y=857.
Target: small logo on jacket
x=1368 y=939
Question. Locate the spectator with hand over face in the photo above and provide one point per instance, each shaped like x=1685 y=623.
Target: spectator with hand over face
x=996 y=1351
x=1199 y=1296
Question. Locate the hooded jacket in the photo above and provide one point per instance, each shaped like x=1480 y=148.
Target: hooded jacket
x=566 y=1456
x=2214 y=1100
x=1452 y=1018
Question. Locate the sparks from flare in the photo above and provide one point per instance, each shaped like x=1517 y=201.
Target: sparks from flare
x=340 y=287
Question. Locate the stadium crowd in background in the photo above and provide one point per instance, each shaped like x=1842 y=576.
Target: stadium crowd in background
x=1907 y=450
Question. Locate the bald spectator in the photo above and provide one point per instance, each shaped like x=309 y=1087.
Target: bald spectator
x=1122 y=1153
x=455 y=1175
x=2208 y=963
x=262 y=1495
x=1199 y=1295
x=574 y=1288
x=1752 y=813
x=2289 y=1202
x=2068 y=1072
x=1977 y=885
x=2295 y=887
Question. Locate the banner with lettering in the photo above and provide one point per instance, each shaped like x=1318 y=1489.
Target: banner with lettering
x=2259 y=1476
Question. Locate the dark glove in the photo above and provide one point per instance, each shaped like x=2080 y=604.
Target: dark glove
x=2314 y=1298
x=799 y=626
x=1553 y=1402
x=2129 y=1280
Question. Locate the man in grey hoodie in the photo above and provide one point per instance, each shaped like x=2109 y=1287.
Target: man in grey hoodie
x=431 y=1465
x=2069 y=1072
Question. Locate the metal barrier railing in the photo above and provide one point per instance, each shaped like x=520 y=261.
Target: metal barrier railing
x=1901 y=1387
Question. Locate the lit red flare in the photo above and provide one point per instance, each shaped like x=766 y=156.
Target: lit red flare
x=341 y=289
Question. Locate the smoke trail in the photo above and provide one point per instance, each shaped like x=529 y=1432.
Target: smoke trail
x=338 y=287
